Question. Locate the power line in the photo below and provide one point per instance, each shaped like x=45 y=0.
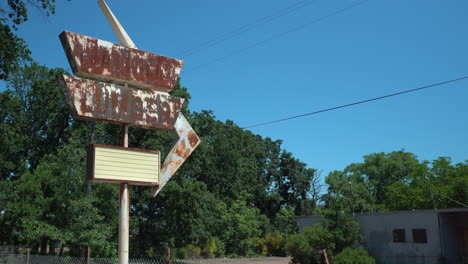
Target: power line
x=334 y=13
x=453 y=200
x=359 y=102
x=247 y=27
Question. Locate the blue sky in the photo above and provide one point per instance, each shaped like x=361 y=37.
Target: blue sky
x=285 y=58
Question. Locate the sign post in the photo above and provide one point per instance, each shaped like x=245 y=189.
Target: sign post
x=101 y=92
x=124 y=210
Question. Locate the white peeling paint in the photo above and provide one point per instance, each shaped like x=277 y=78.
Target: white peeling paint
x=104 y=43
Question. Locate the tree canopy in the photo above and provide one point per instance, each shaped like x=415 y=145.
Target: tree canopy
x=13 y=49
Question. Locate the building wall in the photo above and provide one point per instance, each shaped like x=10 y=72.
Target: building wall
x=446 y=232
x=450 y=226
x=304 y=221
x=377 y=229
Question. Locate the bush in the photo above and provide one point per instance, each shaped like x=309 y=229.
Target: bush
x=273 y=244
x=300 y=250
x=180 y=253
x=188 y=252
x=354 y=256
x=306 y=248
x=213 y=247
x=193 y=251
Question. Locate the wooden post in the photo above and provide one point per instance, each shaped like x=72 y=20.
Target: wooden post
x=27 y=255
x=88 y=257
x=326 y=256
x=169 y=255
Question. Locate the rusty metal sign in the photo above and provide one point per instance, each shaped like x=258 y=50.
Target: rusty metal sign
x=92 y=100
x=116 y=102
x=106 y=61
x=119 y=73
x=187 y=141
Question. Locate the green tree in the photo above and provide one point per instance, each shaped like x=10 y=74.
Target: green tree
x=285 y=222
x=293 y=182
x=13 y=49
x=47 y=207
x=34 y=117
x=243 y=226
x=184 y=213
x=380 y=170
x=351 y=190
x=449 y=182
x=337 y=215
x=339 y=222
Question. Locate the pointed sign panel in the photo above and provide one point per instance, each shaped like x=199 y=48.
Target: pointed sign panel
x=92 y=100
x=106 y=61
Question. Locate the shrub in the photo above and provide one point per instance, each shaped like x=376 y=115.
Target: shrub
x=273 y=244
x=354 y=256
x=306 y=248
x=180 y=253
x=300 y=250
x=193 y=251
x=213 y=247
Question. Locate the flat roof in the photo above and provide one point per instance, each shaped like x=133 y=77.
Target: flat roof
x=426 y=211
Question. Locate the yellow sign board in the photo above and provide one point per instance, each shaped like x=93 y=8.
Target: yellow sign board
x=123 y=165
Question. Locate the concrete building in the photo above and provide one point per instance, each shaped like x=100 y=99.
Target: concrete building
x=412 y=237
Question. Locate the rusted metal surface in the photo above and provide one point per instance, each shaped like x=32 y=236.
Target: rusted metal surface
x=106 y=61
x=187 y=141
x=92 y=100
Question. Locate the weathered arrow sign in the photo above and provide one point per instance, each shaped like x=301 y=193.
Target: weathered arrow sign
x=187 y=141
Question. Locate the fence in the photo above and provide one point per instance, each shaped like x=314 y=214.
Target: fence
x=37 y=259
x=10 y=255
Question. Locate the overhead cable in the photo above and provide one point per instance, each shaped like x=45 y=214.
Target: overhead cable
x=359 y=102
x=279 y=35
x=453 y=200
x=247 y=27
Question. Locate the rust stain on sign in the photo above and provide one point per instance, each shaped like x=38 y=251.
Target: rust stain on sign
x=92 y=100
x=106 y=61
x=187 y=141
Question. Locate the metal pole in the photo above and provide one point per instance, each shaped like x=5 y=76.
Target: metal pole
x=124 y=210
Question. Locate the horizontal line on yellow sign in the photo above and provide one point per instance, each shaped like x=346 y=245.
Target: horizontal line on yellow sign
x=126 y=174
x=127 y=160
x=126 y=155
x=153 y=170
x=113 y=163
x=126 y=152
x=125 y=178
